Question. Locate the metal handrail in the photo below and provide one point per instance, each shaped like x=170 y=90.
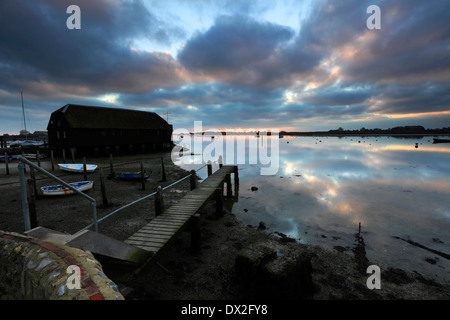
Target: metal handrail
x=134 y=202
x=26 y=212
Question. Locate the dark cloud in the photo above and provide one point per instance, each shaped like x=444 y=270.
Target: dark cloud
x=235 y=49
x=37 y=47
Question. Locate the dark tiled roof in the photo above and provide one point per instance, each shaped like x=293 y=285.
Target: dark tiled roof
x=80 y=116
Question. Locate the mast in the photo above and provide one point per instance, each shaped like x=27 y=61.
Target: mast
x=23 y=112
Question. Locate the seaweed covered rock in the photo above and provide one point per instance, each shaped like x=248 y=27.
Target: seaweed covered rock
x=265 y=273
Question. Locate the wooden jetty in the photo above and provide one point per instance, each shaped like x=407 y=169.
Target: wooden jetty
x=164 y=228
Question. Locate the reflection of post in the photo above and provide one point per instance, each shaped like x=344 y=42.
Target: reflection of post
x=228 y=181
x=236 y=182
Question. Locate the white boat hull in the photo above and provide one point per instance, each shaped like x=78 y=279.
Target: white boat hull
x=77 y=167
x=59 y=190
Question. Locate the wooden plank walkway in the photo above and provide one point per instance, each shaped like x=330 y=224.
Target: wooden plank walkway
x=162 y=229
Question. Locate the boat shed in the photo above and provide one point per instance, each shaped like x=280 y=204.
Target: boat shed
x=100 y=130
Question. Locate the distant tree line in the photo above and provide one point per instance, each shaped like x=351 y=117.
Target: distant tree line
x=395 y=130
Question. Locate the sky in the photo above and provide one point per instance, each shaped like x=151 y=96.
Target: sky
x=287 y=64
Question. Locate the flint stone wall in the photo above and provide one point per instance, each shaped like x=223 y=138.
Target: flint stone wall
x=32 y=269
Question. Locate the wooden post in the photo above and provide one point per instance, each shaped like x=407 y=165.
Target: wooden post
x=64 y=155
x=163 y=171
x=142 y=175
x=228 y=181
x=159 y=201
x=6 y=163
x=84 y=169
x=31 y=204
x=24 y=165
x=219 y=202
x=38 y=158
x=209 y=165
x=33 y=180
x=72 y=154
x=193 y=180
x=220 y=161
x=52 y=160
x=111 y=167
x=236 y=182
x=195 y=233
x=103 y=188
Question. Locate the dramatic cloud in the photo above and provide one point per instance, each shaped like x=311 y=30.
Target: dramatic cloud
x=307 y=65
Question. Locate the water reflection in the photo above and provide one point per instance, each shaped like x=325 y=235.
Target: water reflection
x=325 y=186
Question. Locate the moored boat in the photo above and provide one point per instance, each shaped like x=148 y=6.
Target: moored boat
x=59 y=190
x=437 y=140
x=77 y=167
x=133 y=176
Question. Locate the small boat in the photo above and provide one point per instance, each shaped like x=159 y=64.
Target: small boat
x=26 y=144
x=31 y=143
x=59 y=190
x=77 y=167
x=133 y=176
x=437 y=140
x=34 y=155
x=3 y=159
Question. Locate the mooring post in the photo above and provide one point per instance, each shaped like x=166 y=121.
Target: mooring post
x=52 y=159
x=142 y=175
x=193 y=179
x=103 y=188
x=220 y=161
x=38 y=158
x=229 y=189
x=64 y=155
x=84 y=169
x=72 y=153
x=6 y=163
x=236 y=180
x=31 y=202
x=159 y=201
x=163 y=171
x=209 y=165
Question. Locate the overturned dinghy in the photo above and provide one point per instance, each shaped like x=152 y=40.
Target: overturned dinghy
x=77 y=167
x=130 y=176
x=60 y=190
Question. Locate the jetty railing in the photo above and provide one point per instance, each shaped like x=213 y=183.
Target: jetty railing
x=23 y=191
x=26 y=210
x=191 y=175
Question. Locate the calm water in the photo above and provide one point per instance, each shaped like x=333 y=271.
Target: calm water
x=326 y=186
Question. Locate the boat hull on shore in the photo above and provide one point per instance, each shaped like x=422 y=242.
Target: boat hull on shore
x=60 y=190
x=130 y=176
x=77 y=167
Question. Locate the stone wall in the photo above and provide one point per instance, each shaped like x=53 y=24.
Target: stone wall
x=33 y=269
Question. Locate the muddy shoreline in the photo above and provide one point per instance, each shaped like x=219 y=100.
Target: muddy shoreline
x=211 y=273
